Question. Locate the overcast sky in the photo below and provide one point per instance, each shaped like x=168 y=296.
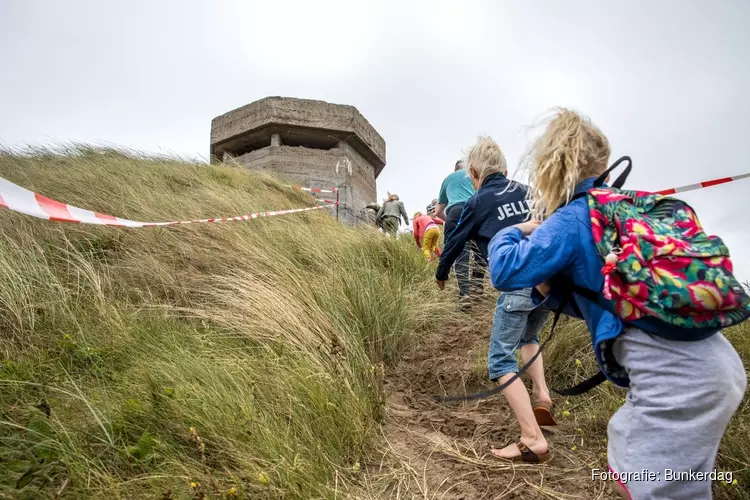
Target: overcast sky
x=667 y=81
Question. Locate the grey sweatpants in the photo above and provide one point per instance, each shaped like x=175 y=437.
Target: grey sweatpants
x=681 y=398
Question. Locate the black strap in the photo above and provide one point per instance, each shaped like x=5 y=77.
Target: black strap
x=620 y=181
x=485 y=394
x=577 y=196
x=584 y=386
x=597 y=379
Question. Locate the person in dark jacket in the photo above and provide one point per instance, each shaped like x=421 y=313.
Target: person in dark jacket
x=498 y=204
x=391 y=213
x=455 y=190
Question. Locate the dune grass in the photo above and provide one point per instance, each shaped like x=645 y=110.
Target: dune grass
x=241 y=360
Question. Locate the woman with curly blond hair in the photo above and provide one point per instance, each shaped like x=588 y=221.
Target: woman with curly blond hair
x=684 y=384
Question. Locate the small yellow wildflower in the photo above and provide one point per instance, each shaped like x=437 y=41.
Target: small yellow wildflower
x=565 y=413
x=263 y=478
x=232 y=492
x=573 y=448
x=578 y=362
x=734 y=483
x=356 y=468
x=194 y=484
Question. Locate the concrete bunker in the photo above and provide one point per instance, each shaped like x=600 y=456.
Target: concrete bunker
x=311 y=143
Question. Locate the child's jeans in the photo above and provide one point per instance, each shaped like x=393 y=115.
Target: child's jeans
x=517 y=323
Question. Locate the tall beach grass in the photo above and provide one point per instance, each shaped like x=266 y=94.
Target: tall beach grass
x=243 y=359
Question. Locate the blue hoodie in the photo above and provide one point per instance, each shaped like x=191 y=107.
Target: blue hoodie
x=563 y=248
x=499 y=203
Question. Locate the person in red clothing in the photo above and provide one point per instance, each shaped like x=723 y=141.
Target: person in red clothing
x=427 y=234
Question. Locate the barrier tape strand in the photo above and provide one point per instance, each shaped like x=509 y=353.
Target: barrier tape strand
x=19 y=199
x=701 y=185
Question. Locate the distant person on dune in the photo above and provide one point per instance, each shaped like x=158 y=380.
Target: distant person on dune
x=456 y=189
x=427 y=234
x=432 y=208
x=372 y=214
x=391 y=213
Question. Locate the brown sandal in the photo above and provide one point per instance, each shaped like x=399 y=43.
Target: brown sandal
x=543 y=413
x=527 y=456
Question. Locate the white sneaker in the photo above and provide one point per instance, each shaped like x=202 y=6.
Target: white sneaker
x=464 y=302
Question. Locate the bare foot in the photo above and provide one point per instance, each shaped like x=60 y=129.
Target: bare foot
x=511 y=451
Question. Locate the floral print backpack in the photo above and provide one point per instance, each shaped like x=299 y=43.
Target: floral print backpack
x=658 y=261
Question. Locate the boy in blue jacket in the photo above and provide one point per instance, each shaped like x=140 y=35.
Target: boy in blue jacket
x=500 y=203
x=682 y=393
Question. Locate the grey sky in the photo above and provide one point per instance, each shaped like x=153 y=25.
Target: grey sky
x=667 y=81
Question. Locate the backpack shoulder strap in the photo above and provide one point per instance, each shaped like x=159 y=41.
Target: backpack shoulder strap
x=577 y=196
x=620 y=181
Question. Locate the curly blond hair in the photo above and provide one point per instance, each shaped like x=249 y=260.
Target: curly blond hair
x=570 y=149
x=485 y=158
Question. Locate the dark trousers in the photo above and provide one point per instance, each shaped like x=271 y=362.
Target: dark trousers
x=390 y=224
x=470 y=277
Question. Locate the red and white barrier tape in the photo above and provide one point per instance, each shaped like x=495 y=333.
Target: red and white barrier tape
x=18 y=199
x=681 y=189
x=700 y=185
x=316 y=190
